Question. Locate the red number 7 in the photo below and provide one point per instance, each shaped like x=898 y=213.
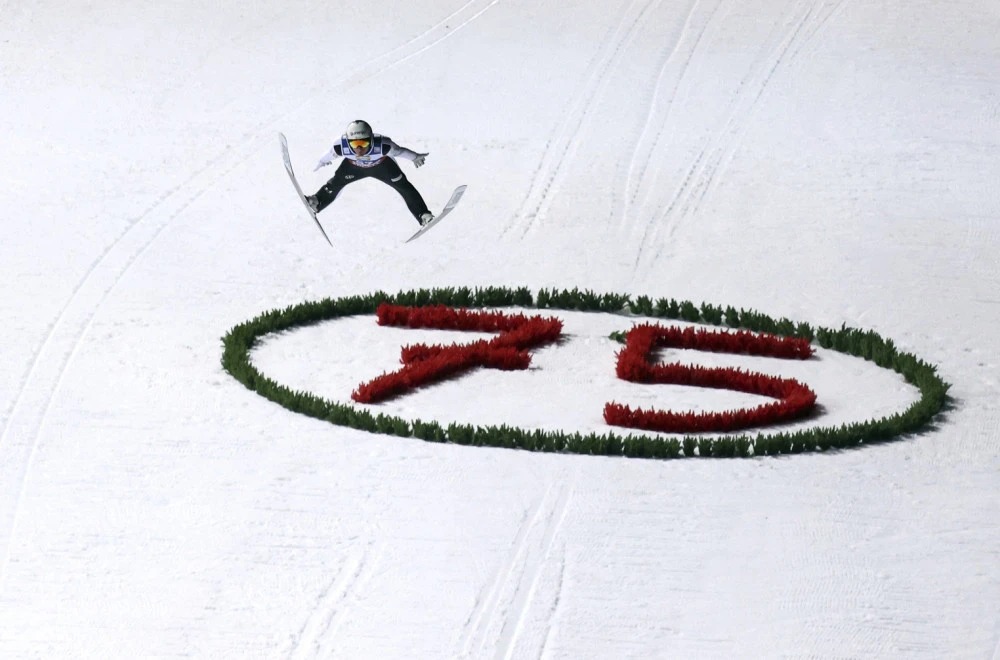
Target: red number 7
x=424 y=364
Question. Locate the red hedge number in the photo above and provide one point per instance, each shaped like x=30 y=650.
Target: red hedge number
x=423 y=364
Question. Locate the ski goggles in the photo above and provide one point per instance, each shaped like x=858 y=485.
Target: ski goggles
x=359 y=144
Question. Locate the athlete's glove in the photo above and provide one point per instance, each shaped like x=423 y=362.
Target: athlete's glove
x=322 y=163
x=419 y=160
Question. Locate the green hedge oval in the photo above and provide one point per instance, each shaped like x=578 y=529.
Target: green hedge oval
x=240 y=340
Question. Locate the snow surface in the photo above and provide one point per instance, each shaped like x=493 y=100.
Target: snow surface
x=826 y=160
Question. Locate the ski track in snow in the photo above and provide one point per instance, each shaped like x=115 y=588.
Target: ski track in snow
x=565 y=139
x=653 y=107
x=498 y=619
x=423 y=41
x=705 y=172
x=49 y=364
x=38 y=390
x=640 y=212
x=527 y=594
x=318 y=636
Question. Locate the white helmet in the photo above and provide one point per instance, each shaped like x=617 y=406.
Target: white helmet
x=359 y=130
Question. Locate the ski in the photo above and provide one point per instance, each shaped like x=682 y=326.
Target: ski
x=298 y=188
x=452 y=203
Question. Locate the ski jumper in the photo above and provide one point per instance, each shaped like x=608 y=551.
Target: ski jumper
x=378 y=163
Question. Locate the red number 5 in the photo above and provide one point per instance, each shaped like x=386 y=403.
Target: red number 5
x=793 y=398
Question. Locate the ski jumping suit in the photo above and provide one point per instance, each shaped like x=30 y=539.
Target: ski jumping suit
x=378 y=163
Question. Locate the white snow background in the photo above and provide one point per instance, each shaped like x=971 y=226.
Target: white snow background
x=830 y=161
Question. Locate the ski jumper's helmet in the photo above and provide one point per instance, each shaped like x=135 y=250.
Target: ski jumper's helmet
x=359 y=136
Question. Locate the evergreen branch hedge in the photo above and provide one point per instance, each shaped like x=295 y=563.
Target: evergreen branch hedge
x=240 y=341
